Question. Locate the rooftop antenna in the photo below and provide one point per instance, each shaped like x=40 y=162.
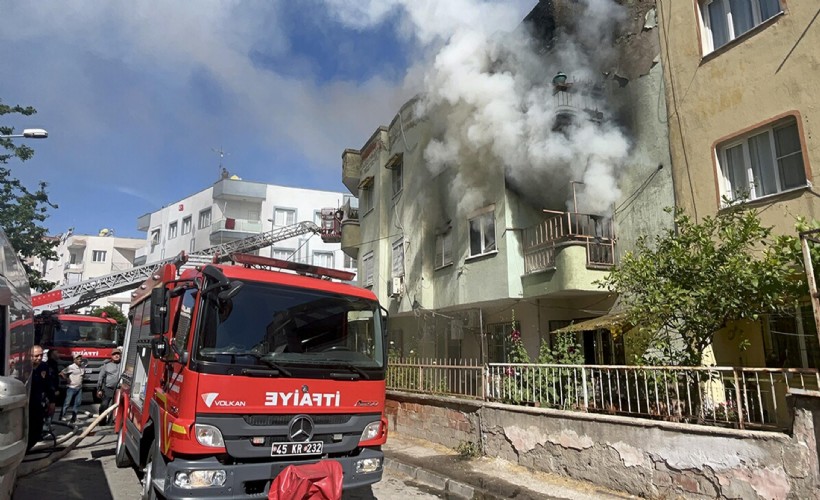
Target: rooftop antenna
x=223 y=172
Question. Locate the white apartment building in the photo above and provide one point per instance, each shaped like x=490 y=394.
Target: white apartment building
x=81 y=257
x=232 y=209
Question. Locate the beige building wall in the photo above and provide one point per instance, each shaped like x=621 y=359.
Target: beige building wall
x=723 y=88
x=714 y=96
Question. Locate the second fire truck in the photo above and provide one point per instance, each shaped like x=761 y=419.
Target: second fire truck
x=234 y=372
x=71 y=334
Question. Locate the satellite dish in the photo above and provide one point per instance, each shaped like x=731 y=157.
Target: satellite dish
x=105 y=232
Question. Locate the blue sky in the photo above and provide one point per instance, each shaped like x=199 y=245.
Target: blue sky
x=136 y=95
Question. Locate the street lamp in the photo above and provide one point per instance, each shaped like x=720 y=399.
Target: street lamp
x=29 y=133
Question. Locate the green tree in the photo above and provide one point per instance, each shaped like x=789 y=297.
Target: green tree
x=687 y=283
x=111 y=311
x=22 y=211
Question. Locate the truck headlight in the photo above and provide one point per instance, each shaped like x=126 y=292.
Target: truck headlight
x=199 y=478
x=208 y=435
x=371 y=431
x=368 y=465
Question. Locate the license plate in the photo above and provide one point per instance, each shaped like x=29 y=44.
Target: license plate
x=88 y=370
x=290 y=449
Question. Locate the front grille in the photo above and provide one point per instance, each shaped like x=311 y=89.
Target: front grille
x=271 y=420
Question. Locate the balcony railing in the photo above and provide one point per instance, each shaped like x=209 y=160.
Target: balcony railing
x=239 y=225
x=73 y=268
x=593 y=231
x=719 y=396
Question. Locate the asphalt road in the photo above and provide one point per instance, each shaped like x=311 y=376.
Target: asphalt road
x=89 y=472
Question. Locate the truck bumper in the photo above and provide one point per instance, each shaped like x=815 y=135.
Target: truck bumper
x=253 y=480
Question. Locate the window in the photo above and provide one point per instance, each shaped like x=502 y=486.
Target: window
x=499 y=341
x=482 y=233
x=282 y=253
x=204 y=218
x=284 y=217
x=303 y=251
x=765 y=162
x=172 y=230
x=155 y=236
x=317 y=217
x=444 y=249
x=186 y=225
x=395 y=165
x=350 y=262
x=182 y=325
x=792 y=340
x=398 y=259
x=72 y=258
x=324 y=259
x=367 y=262
x=98 y=256
x=725 y=20
x=366 y=195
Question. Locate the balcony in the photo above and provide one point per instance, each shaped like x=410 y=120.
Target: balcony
x=69 y=268
x=144 y=222
x=562 y=229
x=233 y=189
x=574 y=101
x=233 y=229
x=141 y=255
x=351 y=170
x=351 y=231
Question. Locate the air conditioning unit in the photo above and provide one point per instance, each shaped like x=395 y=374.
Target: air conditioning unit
x=395 y=286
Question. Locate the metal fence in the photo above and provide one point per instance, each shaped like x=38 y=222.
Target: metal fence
x=718 y=396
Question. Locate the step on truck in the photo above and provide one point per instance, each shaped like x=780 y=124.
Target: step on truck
x=234 y=372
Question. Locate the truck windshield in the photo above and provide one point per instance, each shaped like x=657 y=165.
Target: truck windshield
x=277 y=325
x=84 y=333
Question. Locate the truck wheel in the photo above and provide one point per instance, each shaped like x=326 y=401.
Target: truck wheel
x=122 y=459
x=148 y=490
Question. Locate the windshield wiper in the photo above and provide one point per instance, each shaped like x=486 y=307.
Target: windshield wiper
x=274 y=365
x=351 y=367
x=276 y=368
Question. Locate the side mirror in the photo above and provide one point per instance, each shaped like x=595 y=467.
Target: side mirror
x=184 y=357
x=231 y=291
x=159 y=311
x=159 y=347
x=384 y=315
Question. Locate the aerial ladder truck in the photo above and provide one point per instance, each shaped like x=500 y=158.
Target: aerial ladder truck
x=96 y=338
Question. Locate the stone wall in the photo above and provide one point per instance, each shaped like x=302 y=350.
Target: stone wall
x=649 y=458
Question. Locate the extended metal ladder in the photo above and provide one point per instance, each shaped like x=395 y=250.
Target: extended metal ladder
x=72 y=297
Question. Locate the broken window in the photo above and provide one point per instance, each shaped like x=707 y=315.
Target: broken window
x=482 y=233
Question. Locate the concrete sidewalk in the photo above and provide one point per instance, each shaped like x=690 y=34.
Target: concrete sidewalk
x=445 y=470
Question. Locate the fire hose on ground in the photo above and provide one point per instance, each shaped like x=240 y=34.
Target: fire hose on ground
x=28 y=468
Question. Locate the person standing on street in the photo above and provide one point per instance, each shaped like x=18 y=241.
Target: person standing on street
x=74 y=392
x=52 y=361
x=107 y=383
x=40 y=391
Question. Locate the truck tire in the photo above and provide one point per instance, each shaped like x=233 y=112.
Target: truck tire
x=122 y=459
x=148 y=490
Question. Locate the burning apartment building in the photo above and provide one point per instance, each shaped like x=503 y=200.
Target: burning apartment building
x=513 y=181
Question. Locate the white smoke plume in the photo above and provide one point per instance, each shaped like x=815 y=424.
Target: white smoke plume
x=493 y=92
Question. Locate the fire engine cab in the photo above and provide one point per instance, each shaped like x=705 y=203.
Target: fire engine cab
x=235 y=371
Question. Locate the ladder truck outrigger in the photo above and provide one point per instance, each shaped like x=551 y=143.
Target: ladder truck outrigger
x=95 y=338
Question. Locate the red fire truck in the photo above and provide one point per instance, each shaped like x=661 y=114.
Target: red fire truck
x=72 y=334
x=234 y=372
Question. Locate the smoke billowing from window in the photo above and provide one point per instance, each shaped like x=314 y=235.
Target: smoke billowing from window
x=492 y=93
